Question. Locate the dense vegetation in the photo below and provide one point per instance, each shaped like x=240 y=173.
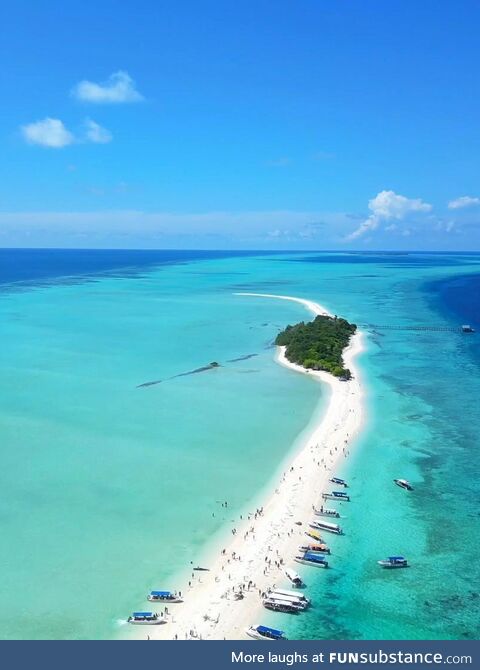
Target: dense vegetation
x=318 y=344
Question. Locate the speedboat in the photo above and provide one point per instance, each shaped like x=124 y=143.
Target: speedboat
x=312 y=559
x=394 y=562
x=294 y=578
x=297 y=595
x=403 y=484
x=336 y=495
x=280 y=605
x=318 y=548
x=265 y=633
x=337 y=480
x=327 y=511
x=146 y=618
x=326 y=525
x=164 y=596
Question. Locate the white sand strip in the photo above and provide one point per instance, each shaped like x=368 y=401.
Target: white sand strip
x=210 y=610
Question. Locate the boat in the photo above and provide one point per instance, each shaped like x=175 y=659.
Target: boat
x=326 y=525
x=318 y=548
x=337 y=480
x=164 y=596
x=327 y=511
x=336 y=495
x=301 y=604
x=294 y=578
x=315 y=535
x=146 y=618
x=279 y=605
x=394 y=562
x=403 y=484
x=265 y=633
x=285 y=593
x=312 y=559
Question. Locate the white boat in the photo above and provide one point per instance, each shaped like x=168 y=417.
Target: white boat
x=285 y=593
x=336 y=495
x=302 y=604
x=403 y=484
x=280 y=605
x=328 y=512
x=294 y=578
x=394 y=562
x=265 y=633
x=312 y=559
x=164 y=597
x=315 y=548
x=326 y=525
x=146 y=619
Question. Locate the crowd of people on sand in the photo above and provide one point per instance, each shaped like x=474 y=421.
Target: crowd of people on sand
x=273 y=562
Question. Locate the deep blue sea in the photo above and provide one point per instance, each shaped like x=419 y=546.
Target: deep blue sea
x=108 y=487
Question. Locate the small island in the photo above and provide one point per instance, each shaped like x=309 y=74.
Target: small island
x=318 y=344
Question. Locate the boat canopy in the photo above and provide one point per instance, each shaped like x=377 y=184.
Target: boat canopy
x=339 y=494
x=396 y=558
x=142 y=615
x=270 y=631
x=315 y=557
x=337 y=480
x=327 y=524
x=161 y=594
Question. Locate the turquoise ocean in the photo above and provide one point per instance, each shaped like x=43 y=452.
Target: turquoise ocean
x=111 y=487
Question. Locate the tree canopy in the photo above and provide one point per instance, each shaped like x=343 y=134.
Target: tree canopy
x=318 y=344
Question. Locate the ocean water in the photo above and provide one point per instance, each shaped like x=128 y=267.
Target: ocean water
x=109 y=489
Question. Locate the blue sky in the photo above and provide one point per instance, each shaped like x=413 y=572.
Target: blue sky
x=315 y=124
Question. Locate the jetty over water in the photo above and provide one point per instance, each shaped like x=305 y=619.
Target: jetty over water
x=446 y=329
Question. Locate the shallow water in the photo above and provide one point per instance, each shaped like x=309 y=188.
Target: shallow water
x=109 y=489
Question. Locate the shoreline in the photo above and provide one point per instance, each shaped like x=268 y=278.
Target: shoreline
x=253 y=553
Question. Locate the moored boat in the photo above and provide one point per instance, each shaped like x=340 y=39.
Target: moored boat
x=164 y=596
x=318 y=548
x=328 y=526
x=336 y=495
x=327 y=511
x=315 y=535
x=337 y=480
x=299 y=595
x=394 y=562
x=301 y=603
x=265 y=633
x=294 y=577
x=403 y=484
x=279 y=605
x=146 y=618
x=312 y=559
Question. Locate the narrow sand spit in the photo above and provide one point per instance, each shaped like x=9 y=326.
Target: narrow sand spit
x=253 y=554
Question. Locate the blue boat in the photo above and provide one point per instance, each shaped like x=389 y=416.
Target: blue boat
x=165 y=596
x=146 y=618
x=394 y=562
x=336 y=495
x=309 y=558
x=265 y=633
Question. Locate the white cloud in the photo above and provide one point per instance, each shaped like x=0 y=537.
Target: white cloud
x=463 y=201
x=385 y=206
x=96 y=133
x=48 y=133
x=118 y=88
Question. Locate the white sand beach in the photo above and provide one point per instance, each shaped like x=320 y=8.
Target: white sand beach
x=253 y=553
